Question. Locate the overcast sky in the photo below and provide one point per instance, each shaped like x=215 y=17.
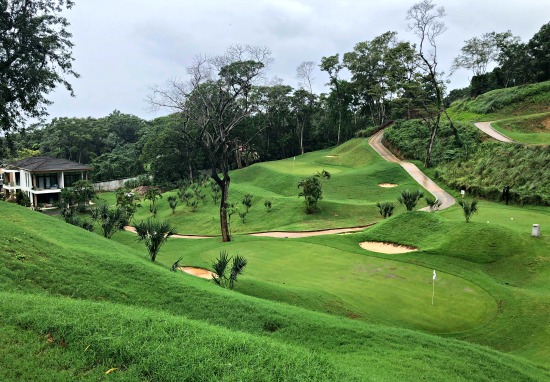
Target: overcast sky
x=123 y=47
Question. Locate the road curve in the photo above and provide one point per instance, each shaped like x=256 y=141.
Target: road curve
x=446 y=199
x=488 y=129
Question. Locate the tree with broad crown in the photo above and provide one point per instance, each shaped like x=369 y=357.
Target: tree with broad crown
x=312 y=190
x=35 y=56
x=212 y=103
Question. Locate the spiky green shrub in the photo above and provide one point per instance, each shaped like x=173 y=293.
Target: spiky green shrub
x=220 y=269
x=433 y=203
x=409 y=199
x=267 y=205
x=173 y=202
x=154 y=234
x=469 y=207
x=247 y=201
x=111 y=219
x=386 y=209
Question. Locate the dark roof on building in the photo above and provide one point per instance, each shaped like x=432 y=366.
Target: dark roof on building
x=43 y=164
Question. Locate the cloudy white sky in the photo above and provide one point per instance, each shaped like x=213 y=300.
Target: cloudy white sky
x=123 y=47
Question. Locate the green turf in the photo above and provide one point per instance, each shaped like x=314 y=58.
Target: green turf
x=349 y=197
x=531 y=129
x=75 y=305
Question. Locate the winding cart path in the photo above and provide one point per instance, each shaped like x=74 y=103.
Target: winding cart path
x=446 y=199
x=488 y=129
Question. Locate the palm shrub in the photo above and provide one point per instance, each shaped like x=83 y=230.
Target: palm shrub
x=267 y=205
x=312 y=190
x=242 y=215
x=247 y=201
x=409 y=199
x=386 y=209
x=220 y=269
x=468 y=207
x=433 y=203
x=111 y=220
x=216 y=192
x=154 y=233
x=173 y=202
x=194 y=204
x=152 y=194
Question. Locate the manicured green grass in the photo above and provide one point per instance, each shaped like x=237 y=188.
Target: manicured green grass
x=349 y=197
x=531 y=129
x=349 y=283
x=75 y=305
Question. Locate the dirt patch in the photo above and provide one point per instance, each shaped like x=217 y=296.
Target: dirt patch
x=388 y=185
x=199 y=272
x=546 y=123
x=388 y=248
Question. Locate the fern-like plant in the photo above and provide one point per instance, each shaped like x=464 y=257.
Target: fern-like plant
x=469 y=208
x=386 y=209
x=409 y=199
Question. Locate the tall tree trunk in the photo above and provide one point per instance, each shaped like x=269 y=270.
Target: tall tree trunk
x=433 y=134
x=339 y=122
x=224 y=186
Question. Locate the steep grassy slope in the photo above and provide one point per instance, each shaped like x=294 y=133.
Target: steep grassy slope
x=75 y=305
x=504 y=103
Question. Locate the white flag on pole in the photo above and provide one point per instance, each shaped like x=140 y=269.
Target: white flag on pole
x=434 y=275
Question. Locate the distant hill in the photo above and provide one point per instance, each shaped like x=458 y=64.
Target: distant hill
x=503 y=103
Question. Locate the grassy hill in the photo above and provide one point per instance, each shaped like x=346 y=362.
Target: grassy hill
x=349 y=197
x=504 y=103
x=75 y=305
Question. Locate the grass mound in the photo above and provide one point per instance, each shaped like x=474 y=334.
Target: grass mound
x=75 y=305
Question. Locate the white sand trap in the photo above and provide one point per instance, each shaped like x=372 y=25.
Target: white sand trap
x=331 y=156
x=199 y=272
x=389 y=248
x=387 y=185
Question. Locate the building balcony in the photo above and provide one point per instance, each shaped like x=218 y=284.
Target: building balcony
x=12 y=186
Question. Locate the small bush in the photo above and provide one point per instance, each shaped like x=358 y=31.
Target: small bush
x=386 y=209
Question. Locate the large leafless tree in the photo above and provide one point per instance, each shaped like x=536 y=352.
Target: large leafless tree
x=425 y=20
x=212 y=103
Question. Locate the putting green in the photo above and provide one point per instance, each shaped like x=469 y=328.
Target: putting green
x=358 y=286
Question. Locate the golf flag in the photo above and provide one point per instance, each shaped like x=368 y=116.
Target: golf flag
x=433 y=287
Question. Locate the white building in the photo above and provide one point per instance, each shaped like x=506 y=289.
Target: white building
x=41 y=178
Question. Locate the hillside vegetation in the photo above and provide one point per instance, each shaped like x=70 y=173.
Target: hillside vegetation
x=75 y=306
x=495 y=165
x=503 y=103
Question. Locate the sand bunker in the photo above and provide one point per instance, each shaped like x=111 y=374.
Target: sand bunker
x=389 y=248
x=199 y=272
x=387 y=185
x=331 y=156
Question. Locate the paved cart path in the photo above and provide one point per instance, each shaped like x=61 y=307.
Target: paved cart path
x=446 y=199
x=488 y=129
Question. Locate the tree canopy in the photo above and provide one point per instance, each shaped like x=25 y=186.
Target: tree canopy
x=35 y=57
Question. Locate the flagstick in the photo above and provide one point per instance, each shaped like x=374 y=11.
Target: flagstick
x=433 y=291
x=433 y=286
